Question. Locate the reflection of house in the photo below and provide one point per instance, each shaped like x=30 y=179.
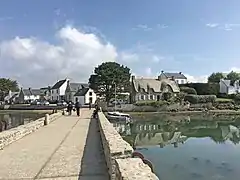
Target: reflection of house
x=178 y=77
x=152 y=89
x=162 y=139
x=58 y=90
x=228 y=131
x=227 y=88
x=72 y=88
x=29 y=95
x=85 y=96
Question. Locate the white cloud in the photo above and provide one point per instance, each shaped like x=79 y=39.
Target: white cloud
x=196 y=79
x=212 y=25
x=226 y=27
x=129 y=57
x=148 y=72
x=143 y=27
x=162 y=26
x=5 y=18
x=38 y=63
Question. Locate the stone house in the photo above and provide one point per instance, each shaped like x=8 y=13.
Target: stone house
x=28 y=95
x=225 y=87
x=58 y=90
x=151 y=89
x=85 y=96
x=45 y=93
x=72 y=89
x=178 y=77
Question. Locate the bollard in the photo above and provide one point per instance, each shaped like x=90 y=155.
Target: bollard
x=47 y=120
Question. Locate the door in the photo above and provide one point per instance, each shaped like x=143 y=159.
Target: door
x=158 y=97
x=90 y=100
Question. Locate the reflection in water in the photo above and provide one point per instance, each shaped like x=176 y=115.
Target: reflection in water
x=11 y=120
x=187 y=148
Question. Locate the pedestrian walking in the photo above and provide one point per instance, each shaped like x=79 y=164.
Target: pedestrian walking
x=77 y=107
x=95 y=112
x=70 y=108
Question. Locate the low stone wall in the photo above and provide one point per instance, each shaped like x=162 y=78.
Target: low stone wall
x=9 y=136
x=118 y=154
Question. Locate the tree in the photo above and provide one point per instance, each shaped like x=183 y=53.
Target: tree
x=233 y=76
x=215 y=77
x=107 y=76
x=7 y=85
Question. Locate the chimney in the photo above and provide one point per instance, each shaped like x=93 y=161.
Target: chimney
x=29 y=89
x=180 y=72
x=162 y=71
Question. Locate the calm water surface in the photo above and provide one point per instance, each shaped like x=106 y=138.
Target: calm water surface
x=187 y=148
x=10 y=120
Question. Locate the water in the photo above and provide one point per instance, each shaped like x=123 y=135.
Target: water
x=10 y=120
x=187 y=148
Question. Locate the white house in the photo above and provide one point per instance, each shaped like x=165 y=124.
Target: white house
x=225 y=87
x=58 y=90
x=12 y=97
x=178 y=77
x=72 y=89
x=85 y=96
x=28 y=95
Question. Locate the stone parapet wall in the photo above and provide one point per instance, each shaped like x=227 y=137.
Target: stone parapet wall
x=9 y=136
x=133 y=168
x=118 y=154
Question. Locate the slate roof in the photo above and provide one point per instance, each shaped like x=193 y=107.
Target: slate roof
x=76 y=86
x=82 y=92
x=175 y=75
x=59 y=84
x=29 y=92
x=35 y=92
x=154 y=84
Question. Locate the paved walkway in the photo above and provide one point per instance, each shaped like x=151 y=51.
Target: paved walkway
x=68 y=148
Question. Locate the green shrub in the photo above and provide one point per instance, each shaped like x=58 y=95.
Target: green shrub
x=204 y=88
x=167 y=96
x=237 y=98
x=188 y=90
x=151 y=103
x=195 y=99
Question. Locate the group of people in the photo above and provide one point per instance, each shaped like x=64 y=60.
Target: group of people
x=76 y=108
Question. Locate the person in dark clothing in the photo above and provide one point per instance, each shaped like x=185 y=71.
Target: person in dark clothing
x=95 y=113
x=77 y=107
x=70 y=108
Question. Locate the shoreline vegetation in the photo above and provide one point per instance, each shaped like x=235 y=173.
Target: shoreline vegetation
x=211 y=112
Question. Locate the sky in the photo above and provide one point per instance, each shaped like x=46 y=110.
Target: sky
x=42 y=41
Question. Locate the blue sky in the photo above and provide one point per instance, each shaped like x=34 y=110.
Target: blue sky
x=195 y=37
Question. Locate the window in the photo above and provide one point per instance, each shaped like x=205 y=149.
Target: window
x=90 y=93
x=151 y=97
x=57 y=91
x=57 y=97
x=142 y=97
x=52 y=92
x=177 y=81
x=182 y=81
